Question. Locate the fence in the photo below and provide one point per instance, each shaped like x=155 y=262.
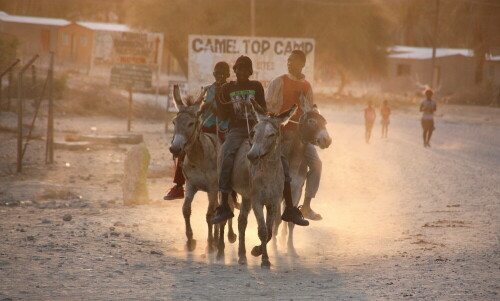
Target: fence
x=21 y=89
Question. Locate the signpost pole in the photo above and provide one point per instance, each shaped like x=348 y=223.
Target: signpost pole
x=129 y=119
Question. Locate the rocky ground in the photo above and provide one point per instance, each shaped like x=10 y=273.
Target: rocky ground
x=400 y=221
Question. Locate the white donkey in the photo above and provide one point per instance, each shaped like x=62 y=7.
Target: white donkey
x=258 y=177
x=199 y=166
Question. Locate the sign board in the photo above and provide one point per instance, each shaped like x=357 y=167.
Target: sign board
x=139 y=77
x=269 y=56
x=112 y=47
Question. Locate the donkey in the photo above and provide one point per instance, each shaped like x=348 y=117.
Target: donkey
x=199 y=167
x=258 y=177
x=311 y=129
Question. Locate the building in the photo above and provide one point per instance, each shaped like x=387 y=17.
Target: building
x=35 y=35
x=90 y=48
x=409 y=70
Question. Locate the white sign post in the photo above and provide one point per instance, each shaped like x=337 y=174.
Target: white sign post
x=269 y=57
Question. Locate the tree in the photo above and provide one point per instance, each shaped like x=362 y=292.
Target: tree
x=350 y=39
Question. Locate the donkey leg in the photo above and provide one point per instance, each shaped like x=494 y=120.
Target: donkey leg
x=258 y=210
x=186 y=212
x=221 y=245
x=242 y=226
x=290 y=246
x=212 y=204
x=276 y=225
x=231 y=236
x=271 y=213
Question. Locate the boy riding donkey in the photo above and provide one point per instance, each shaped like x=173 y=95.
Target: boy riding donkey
x=283 y=92
x=235 y=105
x=221 y=73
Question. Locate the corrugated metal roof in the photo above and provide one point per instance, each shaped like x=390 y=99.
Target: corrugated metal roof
x=104 y=26
x=33 y=20
x=425 y=53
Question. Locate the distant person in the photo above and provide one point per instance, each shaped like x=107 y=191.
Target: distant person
x=221 y=73
x=385 y=112
x=369 y=121
x=428 y=107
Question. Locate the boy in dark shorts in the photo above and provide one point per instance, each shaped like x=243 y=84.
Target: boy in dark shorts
x=428 y=107
x=385 y=112
x=369 y=121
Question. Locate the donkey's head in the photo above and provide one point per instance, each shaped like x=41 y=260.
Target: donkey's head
x=265 y=136
x=312 y=126
x=186 y=122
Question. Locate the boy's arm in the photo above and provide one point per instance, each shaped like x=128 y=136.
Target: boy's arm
x=309 y=96
x=274 y=95
x=259 y=96
x=222 y=104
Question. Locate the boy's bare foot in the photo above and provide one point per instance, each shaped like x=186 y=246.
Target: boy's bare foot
x=310 y=214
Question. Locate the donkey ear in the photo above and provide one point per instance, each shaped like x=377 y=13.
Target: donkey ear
x=201 y=96
x=285 y=116
x=304 y=104
x=259 y=111
x=177 y=97
x=315 y=109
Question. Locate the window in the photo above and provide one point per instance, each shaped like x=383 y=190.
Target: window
x=403 y=70
x=83 y=40
x=65 y=39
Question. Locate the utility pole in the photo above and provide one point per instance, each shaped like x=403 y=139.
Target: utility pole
x=434 y=42
x=252 y=18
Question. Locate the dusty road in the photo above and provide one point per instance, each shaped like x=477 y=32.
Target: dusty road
x=400 y=221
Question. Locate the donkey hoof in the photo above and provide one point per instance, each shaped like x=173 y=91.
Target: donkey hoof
x=242 y=260
x=293 y=253
x=231 y=237
x=266 y=264
x=191 y=245
x=257 y=251
x=210 y=249
x=220 y=255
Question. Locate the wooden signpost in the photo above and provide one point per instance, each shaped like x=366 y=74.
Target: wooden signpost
x=131 y=77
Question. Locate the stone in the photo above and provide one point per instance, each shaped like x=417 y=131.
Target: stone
x=134 y=184
x=77 y=145
x=67 y=217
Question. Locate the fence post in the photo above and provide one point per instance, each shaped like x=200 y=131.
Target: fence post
x=19 y=122
x=9 y=89
x=20 y=114
x=49 y=150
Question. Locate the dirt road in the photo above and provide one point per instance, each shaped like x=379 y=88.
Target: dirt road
x=400 y=221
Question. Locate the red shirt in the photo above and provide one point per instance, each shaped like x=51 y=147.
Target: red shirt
x=291 y=95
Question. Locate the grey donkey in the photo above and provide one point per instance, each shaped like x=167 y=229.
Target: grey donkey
x=199 y=166
x=259 y=178
x=311 y=129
